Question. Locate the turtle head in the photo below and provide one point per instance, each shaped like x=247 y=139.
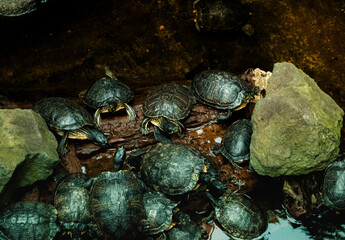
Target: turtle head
x=97 y=137
x=251 y=95
x=170 y=127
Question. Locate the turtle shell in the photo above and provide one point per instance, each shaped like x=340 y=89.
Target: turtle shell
x=172 y=168
x=107 y=91
x=186 y=229
x=235 y=144
x=240 y=217
x=29 y=220
x=334 y=185
x=62 y=113
x=171 y=101
x=220 y=15
x=72 y=202
x=220 y=89
x=117 y=204
x=158 y=212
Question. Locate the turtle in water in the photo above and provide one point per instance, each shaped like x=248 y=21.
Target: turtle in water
x=236 y=142
x=221 y=15
x=222 y=90
x=239 y=217
x=164 y=107
x=159 y=212
x=108 y=94
x=29 y=220
x=175 y=169
x=333 y=191
x=72 y=202
x=117 y=202
x=69 y=120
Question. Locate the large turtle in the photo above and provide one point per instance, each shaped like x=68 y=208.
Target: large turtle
x=175 y=169
x=239 y=217
x=223 y=90
x=69 y=120
x=164 y=107
x=117 y=202
x=334 y=185
x=220 y=15
x=29 y=220
x=108 y=94
x=236 y=142
x=72 y=202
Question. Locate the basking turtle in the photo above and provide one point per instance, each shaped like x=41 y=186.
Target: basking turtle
x=117 y=202
x=220 y=15
x=72 y=202
x=236 y=142
x=223 y=90
x=108 y=94
x=239 y=217
x=29 y=220
x=159 y=212
x=164 y=107
x=175 y=169
x=69 y=120
x=334 y=185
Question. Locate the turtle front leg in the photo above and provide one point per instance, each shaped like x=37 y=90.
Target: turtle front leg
x=144 y=126
x=130 y=111
x=97 y=118
x=224 y=116
x=62 y=148
x=181 y=129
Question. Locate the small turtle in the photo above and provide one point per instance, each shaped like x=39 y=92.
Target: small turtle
x=29 y=220
x=164 y=107
x=239 y=217
x=223 y=90
x=236 y=142
x=334 y=185
x=175 y=169
x=69 y=120
x=220 y=15
x=117 y=202
x=108 y=94
x=185 y=229
x=72 y=202
x=159 y=212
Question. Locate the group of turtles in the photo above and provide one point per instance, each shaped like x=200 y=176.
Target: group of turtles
x=127 y=204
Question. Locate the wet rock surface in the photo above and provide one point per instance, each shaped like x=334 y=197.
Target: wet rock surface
x=296 y=127
x=27 y=151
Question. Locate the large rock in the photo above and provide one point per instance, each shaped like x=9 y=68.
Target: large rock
x=296 y=127
x=27 y=150
x=11 y=8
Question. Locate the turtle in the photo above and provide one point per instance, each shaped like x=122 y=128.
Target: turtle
x=108 y=94
x=333 y=190
x=72 y=202
x=29 y=220
x=185 y=229
x=117 y=202
x=69 y=120
x=175 y=169
x=164 y=107
x=220 y=15
x=236 y=142
x=222 y=90
x=159 y=212
x=239 y=217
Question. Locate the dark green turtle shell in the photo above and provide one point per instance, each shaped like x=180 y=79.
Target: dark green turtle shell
x=240 y=217
x=220 y=89
x=63 y=114
x=29 y=220
x=107 y=91
x=220 y=15
x=159 y=212
x=235 y=144
x=186 y=229
x=171 y=101
x=334 y=185
x=172 y=168
x=117 y=204
x=72 y=202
